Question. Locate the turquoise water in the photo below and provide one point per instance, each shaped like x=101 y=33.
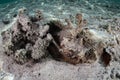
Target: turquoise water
x=6 y=1
x=60 y=9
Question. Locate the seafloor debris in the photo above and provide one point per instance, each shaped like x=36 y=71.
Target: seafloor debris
x=6 y=21
x=27 y=39
x=75 y=44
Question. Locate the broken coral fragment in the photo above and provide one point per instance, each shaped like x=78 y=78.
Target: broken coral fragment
x=39 y=50
x=25 y=39
x=20 y=56
x=70 y=42
x=77 y=44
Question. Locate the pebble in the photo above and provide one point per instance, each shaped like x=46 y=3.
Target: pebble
x=6 y=21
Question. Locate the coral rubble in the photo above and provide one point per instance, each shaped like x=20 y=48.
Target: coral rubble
x=29 y=39
x=74 y=44
x=26 y=39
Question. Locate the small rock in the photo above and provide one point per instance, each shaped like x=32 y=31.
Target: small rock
x=118 y=75
x=6 y=21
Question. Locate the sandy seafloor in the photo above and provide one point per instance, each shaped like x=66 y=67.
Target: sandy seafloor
x=61 y=9
x=95 y=11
